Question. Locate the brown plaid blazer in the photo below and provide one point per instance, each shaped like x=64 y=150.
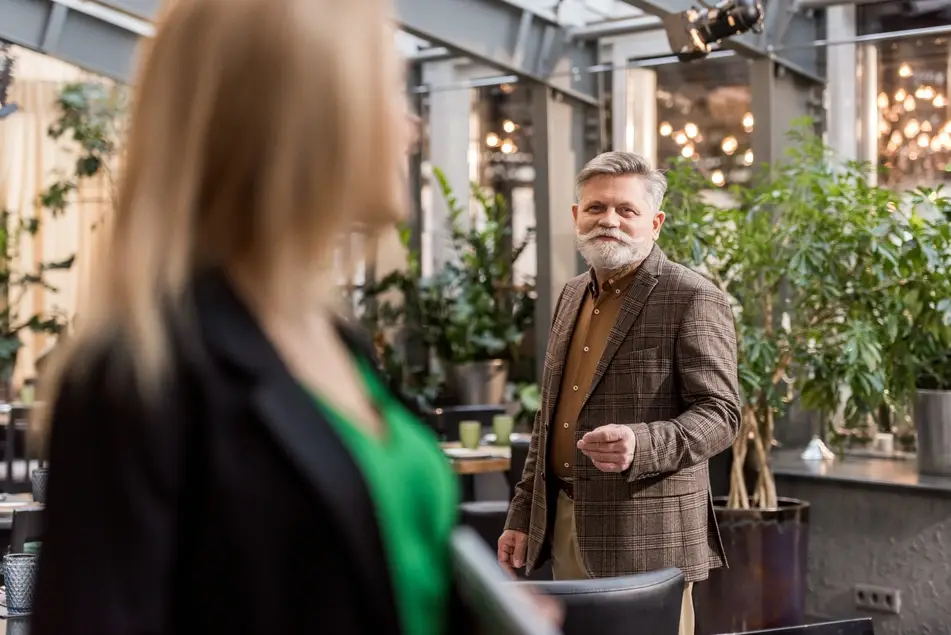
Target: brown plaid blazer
x=669 y=372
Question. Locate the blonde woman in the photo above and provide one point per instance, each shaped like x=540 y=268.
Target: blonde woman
x=224 y=457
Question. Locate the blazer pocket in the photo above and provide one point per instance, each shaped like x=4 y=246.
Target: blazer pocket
x=644 y=354
x=635 y=361
x=676 y=484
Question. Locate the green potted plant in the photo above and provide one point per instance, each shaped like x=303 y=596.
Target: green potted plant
x=816 y=261
x=471 y=314
x=399 y=311
x=921 y=353
x=529 y=402
x=15 y=285
x=484 y=312
x=83 y=113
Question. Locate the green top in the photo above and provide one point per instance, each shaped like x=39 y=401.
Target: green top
x=415 y=494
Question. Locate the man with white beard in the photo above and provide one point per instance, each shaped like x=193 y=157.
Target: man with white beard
x=639 y=390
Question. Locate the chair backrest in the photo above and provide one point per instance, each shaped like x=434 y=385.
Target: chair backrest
x=28 y=526
x=643 y=603
x=517 y=465
x=860 y=626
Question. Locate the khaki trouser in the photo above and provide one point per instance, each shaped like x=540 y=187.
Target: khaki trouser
x=567 y=563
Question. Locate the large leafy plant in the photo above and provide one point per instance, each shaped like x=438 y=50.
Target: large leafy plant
x=837 y=287
x=471 y=309
x=484 y=311
x=86 y=116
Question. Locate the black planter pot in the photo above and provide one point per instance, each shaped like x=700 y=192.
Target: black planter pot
x=765 y=585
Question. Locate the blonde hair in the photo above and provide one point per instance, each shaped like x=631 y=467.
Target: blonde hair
x=261 y=131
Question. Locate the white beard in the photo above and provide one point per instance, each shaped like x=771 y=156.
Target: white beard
x=612 y=256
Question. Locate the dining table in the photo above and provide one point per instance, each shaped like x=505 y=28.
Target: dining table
x=469 y=462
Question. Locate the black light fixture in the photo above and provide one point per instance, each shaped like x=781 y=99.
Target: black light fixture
x=6 y=78
x=693 y=33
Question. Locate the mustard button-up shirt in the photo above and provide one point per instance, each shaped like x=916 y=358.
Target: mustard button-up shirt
x=598 y=313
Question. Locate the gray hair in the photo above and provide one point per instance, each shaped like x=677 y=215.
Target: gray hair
x=617 y=163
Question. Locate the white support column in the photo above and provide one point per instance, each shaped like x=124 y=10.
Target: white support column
x=868 y=133
x=844 y=125
x=450 y=109
x=561 y=151
x=634 y=92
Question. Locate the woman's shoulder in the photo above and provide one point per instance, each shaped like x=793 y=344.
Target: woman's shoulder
x=110 y=367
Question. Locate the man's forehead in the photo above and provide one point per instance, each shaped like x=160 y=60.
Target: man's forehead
x=610 y=186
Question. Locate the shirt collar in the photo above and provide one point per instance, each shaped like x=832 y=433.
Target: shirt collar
x=617 y=284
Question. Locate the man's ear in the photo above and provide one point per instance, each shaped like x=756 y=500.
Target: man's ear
x=659 y=218
x=574 y=212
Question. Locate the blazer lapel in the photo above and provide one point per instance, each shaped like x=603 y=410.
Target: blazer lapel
x=302 y=432
x=645 y=279
x=561 y=332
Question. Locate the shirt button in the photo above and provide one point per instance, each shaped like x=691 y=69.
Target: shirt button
x=566 y=465
x=566 y=425
x=617 y=291
x=586 y=349
x=597 y=312
x=574 y=388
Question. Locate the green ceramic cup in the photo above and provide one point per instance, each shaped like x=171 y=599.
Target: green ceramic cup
x=470 y=433
x=502 y=426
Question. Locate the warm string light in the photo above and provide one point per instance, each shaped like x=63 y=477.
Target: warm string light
x=690 y=136
x=909 y=117
x=507 y=145
x=729 y=145
x=748 y=122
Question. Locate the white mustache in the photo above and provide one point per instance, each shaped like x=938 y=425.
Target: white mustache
x=607 y=232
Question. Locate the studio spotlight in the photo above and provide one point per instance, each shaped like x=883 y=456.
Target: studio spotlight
x=692 y=33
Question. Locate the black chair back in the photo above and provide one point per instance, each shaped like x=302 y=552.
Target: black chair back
x=28 y=526
x=643 y=603
x=517 y=465
x=860 y=626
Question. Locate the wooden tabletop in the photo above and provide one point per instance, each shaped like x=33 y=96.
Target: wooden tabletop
x=499 y=462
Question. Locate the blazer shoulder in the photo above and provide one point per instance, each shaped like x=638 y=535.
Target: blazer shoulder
x=104 y=367
x=686 y=280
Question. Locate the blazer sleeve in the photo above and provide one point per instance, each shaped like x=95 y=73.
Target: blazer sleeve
x=706 y=367
x=108 y=555
x=520 y=509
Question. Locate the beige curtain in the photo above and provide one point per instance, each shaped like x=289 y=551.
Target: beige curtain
x=29 y=161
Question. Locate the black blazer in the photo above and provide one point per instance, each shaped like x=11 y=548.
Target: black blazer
x=231 y=508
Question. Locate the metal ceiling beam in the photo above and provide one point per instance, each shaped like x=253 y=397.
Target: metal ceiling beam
x=102 y=36
x=612 y=28
x=506 y=36
x=88 y=34
x=784 y=24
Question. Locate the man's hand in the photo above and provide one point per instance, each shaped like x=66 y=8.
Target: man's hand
x=512 y=547
x=610 y=447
